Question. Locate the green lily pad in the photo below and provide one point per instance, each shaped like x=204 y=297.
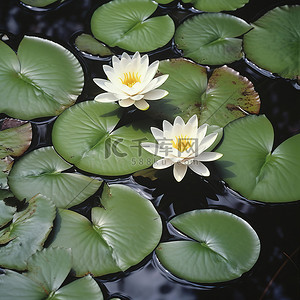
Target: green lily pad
x=42 y=172
x=211 y=39
x=250 y=166
x=6 y=211
x=225 y=97
x=126 y=24
x=27 y=233
x=223 y=247
x=84 y=135
x=47 y=270
x=274 y=43
x=41 y=80
x=38 y=3
x=86 y=43
x=123 y=231
x=5 y=167
x=216 y=5
x=15 y=137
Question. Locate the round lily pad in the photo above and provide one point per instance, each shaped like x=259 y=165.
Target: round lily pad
x=126 y=24
x=250 y=166
x=216 y=5
x=123 y=231
x=274 y=43
x=27 y=233
x=211 y=39
x=85 y=42
x=47 y=270
x=5 y=167
x=223 y=247
x=15 y=137
x=225 y=97
x=84 y=135
x=41 y=80
x=6 y=211
x=41 y=172
x=39 y=3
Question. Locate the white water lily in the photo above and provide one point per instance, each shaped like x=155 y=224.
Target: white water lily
x=183 y=146
x=131 y=81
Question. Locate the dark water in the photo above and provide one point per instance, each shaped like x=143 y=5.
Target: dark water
x=278 y=226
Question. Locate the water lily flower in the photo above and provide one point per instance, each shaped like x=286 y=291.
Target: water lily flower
x=183 y=146
x=131 y=81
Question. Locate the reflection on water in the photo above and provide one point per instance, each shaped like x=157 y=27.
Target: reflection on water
x=278 y=226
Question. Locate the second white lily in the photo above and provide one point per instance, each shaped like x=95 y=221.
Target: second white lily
x=183 y=146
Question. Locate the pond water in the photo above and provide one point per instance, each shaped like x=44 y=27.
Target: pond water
x=276 y=275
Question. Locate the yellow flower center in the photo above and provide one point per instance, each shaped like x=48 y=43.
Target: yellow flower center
x=182 y=143
x=131 y=78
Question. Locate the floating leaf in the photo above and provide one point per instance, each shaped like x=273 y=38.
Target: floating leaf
x=223 y=247
x=211 y=38
x=250 y=167
x=87 y=43
x=6 y=211
x=225 y=97
x=274 y=43
x=126 y=24
x=42 y=80
x=42 y=171
x=39 y=3
x=216 y=5
x=123 y=231
x=5 y=166
x=27 y=233
x=15 y=137
x=84 y=135
x=47 y=271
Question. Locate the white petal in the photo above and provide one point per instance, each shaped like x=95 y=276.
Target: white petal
x=155 y=94
x=151 y=71
x=142 y=104
x=178 y=126
x=126 y=102
x=121 y=96
x=137 y=97
x=115 y=61
x=155 y=83
x=208 y=156
x=179 y=171
x=207 y=142
x=163 y=163
x=191 y=127
x=106 y=97
x=168 y=129
x=199 y=168
x=143 y=66
x=201 y=132
x=102 y=83
x=157 y=133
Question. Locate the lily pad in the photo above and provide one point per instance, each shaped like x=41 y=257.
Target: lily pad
x=47 y=271
x=41 y=80
x=39 y=3
x=85 y=42
x=126 y=24
x=27 y=233
x=250 y=166
x=84 y=135
x=124 y=230
x=15 y=137
x=216 y=5
x=42 y=172
x=223 y=247
x=226 y=97
x=212 y=39
x=274 y=43
x=5 y=167
x=6 y=211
